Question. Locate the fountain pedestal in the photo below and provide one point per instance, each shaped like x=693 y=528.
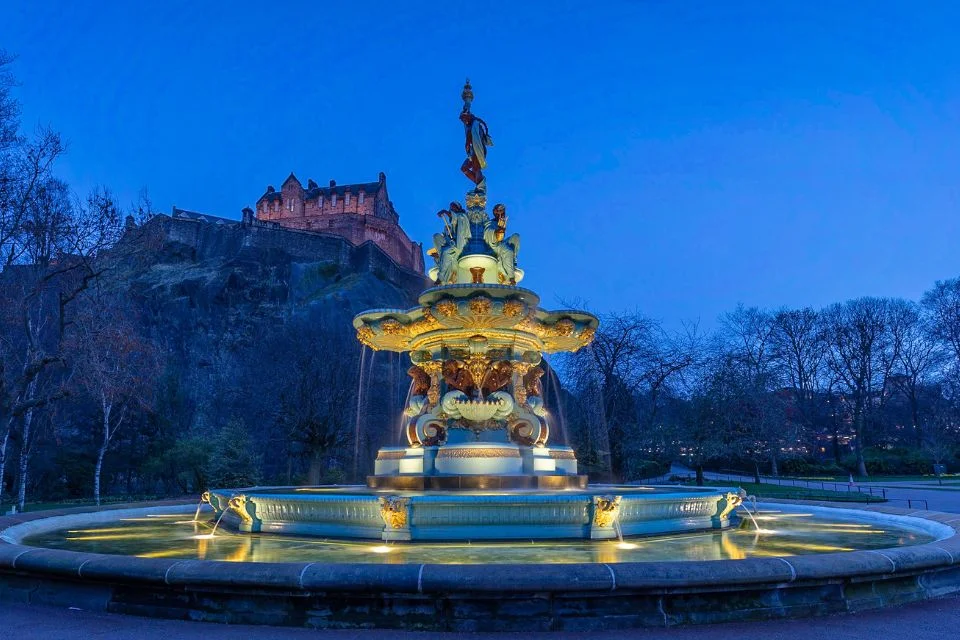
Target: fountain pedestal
x=476 y=465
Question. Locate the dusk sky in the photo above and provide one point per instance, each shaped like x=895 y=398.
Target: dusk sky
x=674 y=158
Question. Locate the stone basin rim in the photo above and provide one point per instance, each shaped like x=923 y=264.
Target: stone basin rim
x=621 y=589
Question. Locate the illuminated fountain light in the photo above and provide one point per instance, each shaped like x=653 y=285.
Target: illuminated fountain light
x=381 y=548
x=111 y=536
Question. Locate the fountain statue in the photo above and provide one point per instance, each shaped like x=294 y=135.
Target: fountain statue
x=478 y=462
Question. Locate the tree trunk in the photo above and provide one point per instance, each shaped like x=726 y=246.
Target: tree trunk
x=756 y=472
x=858 y=446
x=3 y=455
x=699 y=474
x=102 y=451
x=24 y=459
x=915 y=414
x=774 y=467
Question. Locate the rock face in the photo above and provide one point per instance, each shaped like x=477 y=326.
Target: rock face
x=232 y=305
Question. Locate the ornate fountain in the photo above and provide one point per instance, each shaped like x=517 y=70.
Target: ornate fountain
x=476 y=417
x=478 y=461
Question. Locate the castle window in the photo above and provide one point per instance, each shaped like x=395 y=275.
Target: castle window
x=333 y=199
x=360 y=196
x=346 y=199
x=320 y=201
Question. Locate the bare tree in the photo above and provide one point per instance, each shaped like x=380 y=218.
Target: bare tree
x=748 y=346
x=919 y=357
x=942 y=304
x=112 y=364
x=628 y=367
x=799 y=352
x=861 y=353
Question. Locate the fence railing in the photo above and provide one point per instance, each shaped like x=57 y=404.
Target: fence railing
x=823 y=485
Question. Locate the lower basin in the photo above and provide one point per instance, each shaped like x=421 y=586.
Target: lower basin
x=784 y=530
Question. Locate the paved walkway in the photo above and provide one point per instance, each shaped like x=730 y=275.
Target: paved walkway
x=931 y=620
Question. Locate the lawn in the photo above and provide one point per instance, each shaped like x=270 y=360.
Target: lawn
x=767 y=490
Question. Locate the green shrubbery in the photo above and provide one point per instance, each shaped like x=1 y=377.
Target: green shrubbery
x=892 y=462
x=643 y=469
x=805 y=467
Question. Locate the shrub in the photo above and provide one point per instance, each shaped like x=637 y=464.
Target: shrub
x=234 y=461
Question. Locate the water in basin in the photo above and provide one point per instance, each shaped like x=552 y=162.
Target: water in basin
x=783 y=532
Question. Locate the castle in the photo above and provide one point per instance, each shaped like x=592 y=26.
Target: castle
x=356 y=212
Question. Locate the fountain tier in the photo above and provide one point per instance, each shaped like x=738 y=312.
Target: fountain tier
x=603 y=512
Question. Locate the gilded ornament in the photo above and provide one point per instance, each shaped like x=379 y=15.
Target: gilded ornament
x=393 y=327
x=587 y=335
x=564 y=328
x=512 y=308
x=480 y=305
x=562 y=454
x=447 y=308
x=476 y=273
x=238 y=504
x=728 y=503
x=606 y=509
x=476 y=200
x=393 y=510
x=478 y=364
x=485 y=452
x=365 y=336
x=390 y=455
x=427 y=323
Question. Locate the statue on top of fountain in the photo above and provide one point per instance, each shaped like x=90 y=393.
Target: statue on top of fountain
x=478 y=139
x=504 y=249
x=449 y=245
x=461 y=226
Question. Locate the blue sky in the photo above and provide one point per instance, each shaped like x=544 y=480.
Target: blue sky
x=674 y=158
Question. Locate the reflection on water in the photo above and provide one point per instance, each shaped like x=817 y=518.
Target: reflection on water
x=782 y=534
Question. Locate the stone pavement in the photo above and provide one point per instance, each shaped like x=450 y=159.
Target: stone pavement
x=930 y=620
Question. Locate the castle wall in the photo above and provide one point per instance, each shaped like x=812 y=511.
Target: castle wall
x=360 y=213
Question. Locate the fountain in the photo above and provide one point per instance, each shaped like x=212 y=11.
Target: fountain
x=481 y=520
x=478 y=462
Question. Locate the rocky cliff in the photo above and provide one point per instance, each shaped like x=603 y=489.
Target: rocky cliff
x=243 y=313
